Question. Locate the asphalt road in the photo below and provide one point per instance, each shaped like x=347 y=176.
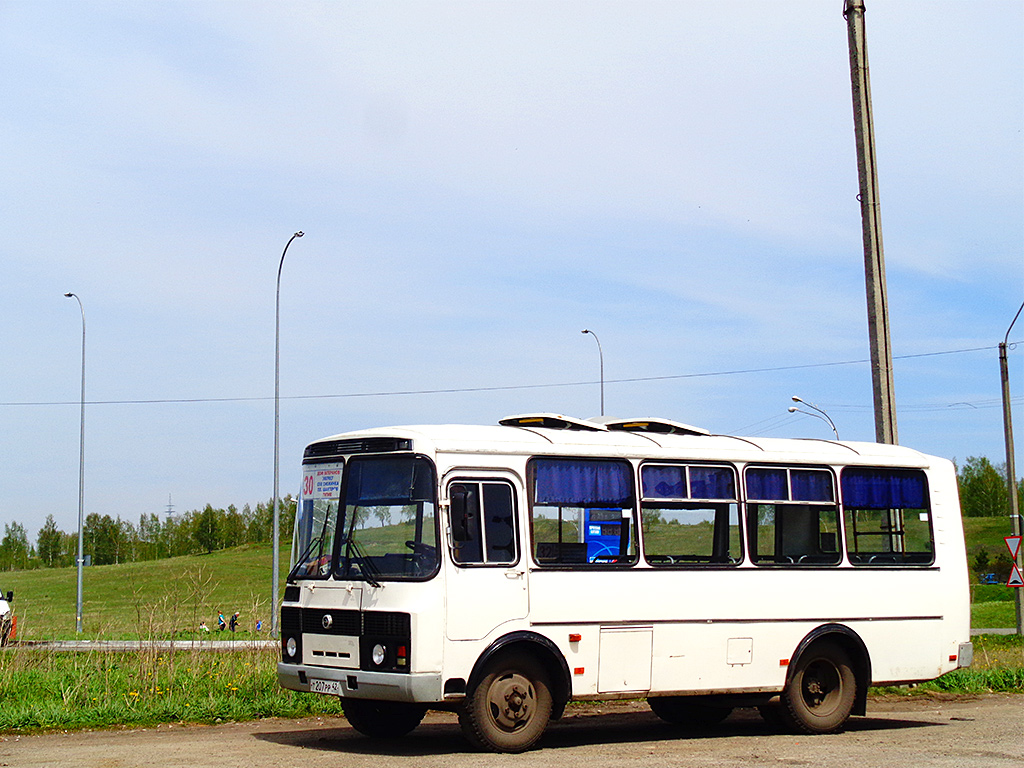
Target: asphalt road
x=960 y=732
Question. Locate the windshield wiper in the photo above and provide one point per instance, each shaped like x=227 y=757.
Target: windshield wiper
x=367 y=569
x=316 y=541
x=303 y=559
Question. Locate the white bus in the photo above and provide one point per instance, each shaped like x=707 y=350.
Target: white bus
x=504 y=571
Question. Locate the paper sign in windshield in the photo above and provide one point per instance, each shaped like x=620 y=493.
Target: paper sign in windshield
x=322 y=483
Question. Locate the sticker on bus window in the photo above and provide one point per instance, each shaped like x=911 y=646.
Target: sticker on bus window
x=328 y=483
x=322 y=483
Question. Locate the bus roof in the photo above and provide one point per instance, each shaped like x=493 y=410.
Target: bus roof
x=528 y=439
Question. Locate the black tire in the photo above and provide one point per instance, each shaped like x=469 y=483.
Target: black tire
x=821 y=690
x=382 y=719
x=687 y=712
x=508 y=710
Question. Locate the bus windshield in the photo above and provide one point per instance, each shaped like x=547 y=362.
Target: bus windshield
x=387 y=525
x=316 y=521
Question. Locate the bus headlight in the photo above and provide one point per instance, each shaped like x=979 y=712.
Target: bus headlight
x=291 y=647
x=379 y=654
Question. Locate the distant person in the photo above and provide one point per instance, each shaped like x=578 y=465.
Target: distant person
x=259 y=625
x=221 y=623
x=203 y=627
x=234 y=621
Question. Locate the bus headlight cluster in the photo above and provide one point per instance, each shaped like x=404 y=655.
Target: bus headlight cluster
x=379 y=654
x=291 y=647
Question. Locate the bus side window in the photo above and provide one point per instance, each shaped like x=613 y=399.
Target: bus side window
x=482 y=520
x=792 y=518
x=887 y=518
x=582 y=511
x=690 y=515
x=465 y=523
x=499 y=522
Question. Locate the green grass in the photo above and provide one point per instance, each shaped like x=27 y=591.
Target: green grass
x=160 y=598
x=987 y=532
x=48 y=690
x=993 y=615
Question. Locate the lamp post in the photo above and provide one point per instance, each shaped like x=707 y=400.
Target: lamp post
x=81 y=479
x=600 y=353
x=277 y=438
x=824 y=416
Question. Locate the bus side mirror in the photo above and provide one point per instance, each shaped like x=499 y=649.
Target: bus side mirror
x=10 y=595
x=462 y=507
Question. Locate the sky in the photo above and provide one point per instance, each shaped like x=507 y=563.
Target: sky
x=478 y=182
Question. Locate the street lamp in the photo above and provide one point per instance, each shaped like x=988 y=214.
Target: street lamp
x=277 y=437
x=81 y=479
x=824 y=416
x=600 y=353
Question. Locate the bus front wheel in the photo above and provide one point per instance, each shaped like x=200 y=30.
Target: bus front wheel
x=508 y=710
x=819 y=695
x=382 y=719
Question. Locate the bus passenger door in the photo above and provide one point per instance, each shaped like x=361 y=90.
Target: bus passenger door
x=486 y=583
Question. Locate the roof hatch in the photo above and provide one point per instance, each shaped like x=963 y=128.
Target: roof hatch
x=658 y=426
x=551 y=421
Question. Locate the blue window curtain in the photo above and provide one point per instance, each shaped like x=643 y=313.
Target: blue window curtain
x=582 y=483
x=767 y=484
x=884 y=489
x=811 y=485
x=712 y=483
x=664 y=482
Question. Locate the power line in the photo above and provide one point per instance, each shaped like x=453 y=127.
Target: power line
x=507 y=387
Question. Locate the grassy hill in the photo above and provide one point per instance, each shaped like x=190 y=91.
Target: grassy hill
x=168 y=598
x=155 y=598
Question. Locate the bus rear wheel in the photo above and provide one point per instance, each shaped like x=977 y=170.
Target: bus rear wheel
x=688 y=712
x=382 y=719
x=508 y=710
x=819 y=696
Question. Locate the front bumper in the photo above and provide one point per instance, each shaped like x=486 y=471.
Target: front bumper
x=420 y=688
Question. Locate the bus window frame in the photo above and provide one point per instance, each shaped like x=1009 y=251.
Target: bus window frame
x=749 y=512
x=736 y=501
x=884 y=562
x=629 y=561
x=342 y=521
x=484 y=563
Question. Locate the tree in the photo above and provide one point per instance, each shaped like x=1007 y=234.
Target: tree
x=150 y=537
x=982 y=489
x=234 y=528
x=14 y=547
x=206 y=532
x=48 y=543
x=106 y=539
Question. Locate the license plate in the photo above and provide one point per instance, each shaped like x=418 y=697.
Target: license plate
x=331 y=687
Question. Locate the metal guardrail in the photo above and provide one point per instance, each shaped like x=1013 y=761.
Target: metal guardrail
x=138 y=645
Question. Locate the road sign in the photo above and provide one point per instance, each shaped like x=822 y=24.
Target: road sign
x=1013 y=544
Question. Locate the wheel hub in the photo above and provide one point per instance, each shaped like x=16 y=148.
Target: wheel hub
x=512 y=701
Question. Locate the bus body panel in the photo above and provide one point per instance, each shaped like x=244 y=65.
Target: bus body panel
x=639 y=629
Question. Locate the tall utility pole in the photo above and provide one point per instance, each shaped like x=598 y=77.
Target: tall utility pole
x=871 y=217
x=1011 y=470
